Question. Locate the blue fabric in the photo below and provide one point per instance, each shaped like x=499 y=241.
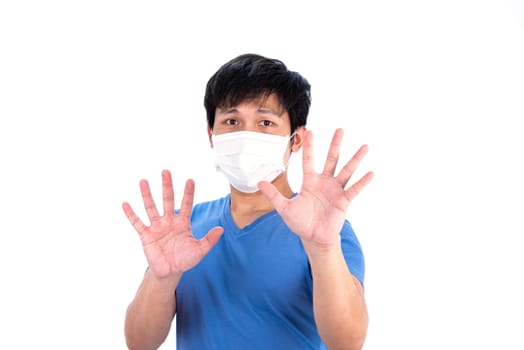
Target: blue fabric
x=254 y=288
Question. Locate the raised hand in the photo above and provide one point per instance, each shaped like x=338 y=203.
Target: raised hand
x=168 y=242
x=318 y=212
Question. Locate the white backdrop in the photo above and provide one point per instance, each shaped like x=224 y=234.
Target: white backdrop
x=95 y=96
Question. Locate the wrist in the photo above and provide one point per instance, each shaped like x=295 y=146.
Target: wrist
x=316 y=251
x=167 y=283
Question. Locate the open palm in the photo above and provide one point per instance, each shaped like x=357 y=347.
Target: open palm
x=318 y=212
x=168 y=241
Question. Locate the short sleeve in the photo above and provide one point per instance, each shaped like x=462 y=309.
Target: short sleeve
x=352 y=251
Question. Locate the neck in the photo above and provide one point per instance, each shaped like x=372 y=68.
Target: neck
x=247 y=207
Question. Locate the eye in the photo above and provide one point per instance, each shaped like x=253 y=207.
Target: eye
x=231 y=122
x=266 y=122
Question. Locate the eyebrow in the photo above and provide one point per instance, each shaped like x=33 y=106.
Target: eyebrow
x=228 y=110
x=269 y=111
x=262 y=110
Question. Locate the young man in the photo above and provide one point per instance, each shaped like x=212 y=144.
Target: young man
x=263 y=267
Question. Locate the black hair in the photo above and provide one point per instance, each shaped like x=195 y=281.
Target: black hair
x=250 y=77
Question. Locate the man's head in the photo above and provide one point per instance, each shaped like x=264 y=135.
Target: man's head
x=252 y=77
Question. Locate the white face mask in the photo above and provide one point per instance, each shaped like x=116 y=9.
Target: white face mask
x=247 y=157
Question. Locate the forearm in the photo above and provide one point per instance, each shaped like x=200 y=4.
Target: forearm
x=150 y=314
x=338 y=301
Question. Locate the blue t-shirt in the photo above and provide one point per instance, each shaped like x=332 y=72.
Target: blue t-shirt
x=254 y=289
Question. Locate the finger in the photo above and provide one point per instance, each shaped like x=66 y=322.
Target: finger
x=133 y=219
x=149 y=203
x=276 y=198
x=347 y=171
x=210 y=239
x=168 y=194
x=358 y=186
x=333 y=153
x=308 y=160
x=187 y=200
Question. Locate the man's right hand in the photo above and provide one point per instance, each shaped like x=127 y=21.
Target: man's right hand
x=168 y=242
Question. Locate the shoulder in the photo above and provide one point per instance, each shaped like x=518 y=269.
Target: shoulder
x=212 y=205
x=347 y=233
x=206 y=215
x=352 y=250
x=206 y=206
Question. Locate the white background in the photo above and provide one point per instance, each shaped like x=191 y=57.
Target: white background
x=95 y=96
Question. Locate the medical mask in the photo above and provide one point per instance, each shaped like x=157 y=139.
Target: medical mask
x=246 y=157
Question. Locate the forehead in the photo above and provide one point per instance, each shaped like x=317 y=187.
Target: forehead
x=271 y=102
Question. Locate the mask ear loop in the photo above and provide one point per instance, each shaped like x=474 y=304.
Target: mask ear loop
x=292 y=136
x=291 y=140
x=290 y=150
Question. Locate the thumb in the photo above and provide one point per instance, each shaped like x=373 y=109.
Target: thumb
x=210 y=239
x=273 y=195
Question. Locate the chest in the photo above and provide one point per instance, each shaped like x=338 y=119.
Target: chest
x=266 y=269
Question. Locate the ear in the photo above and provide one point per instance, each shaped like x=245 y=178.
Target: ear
x=209 y=134
x=298 y=139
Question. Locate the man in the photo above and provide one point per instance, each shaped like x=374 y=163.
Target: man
x=263 y=267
